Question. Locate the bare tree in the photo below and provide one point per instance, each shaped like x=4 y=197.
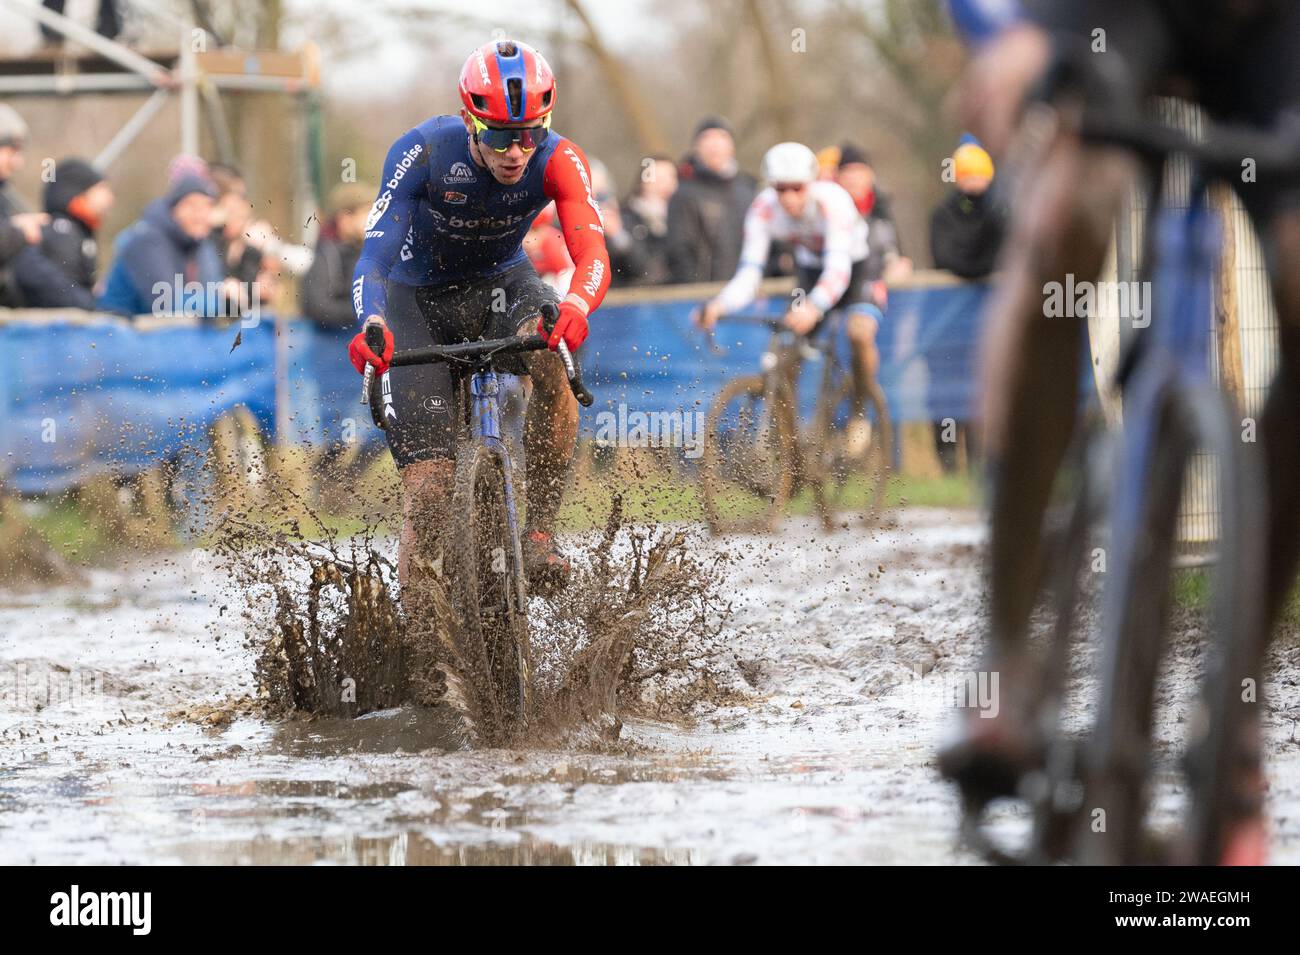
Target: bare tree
x=645 y=126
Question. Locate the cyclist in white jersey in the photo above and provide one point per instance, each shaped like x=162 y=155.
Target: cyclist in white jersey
x=820 y=220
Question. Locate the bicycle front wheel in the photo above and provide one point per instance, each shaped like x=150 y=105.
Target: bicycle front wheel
x=488 y=588
x=747 y=473
x=851 y=454
x=1215 y=761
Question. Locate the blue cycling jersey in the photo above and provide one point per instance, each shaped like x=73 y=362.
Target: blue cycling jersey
x=440 y=217
x=981 y=20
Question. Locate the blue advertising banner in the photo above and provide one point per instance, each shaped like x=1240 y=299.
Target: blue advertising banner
x=82 y=397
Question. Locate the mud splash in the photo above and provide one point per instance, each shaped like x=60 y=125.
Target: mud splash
x=637 y=631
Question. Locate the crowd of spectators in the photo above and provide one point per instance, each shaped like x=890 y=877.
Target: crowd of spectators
x=198 y=248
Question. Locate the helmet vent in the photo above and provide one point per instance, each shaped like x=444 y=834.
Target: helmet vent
x=480 y=101
x=546 y=99
x=507 y=48
x=515 y=92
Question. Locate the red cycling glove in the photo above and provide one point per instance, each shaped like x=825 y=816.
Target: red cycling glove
x=571 y=325
x=362 y=355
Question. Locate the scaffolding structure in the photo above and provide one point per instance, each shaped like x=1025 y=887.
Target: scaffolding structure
x=198 y=74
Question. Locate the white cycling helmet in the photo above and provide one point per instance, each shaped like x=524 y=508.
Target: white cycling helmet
x=789 y=162
x=13 y=130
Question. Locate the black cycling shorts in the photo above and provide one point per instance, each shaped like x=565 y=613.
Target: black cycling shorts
x=858 y=290
x=497 y=306
x=1240 y=61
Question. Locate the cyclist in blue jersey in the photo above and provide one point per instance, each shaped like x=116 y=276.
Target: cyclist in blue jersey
x=1240 y=61
x=443 y=262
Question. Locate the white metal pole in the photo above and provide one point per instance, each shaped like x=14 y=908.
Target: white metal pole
x=189 y=93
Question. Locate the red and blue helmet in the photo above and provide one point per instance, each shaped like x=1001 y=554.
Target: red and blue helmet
x=507 y=82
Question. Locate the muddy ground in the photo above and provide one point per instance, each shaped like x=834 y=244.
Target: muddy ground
x=123 y=737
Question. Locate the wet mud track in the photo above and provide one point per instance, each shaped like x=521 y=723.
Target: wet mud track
x=119 y=741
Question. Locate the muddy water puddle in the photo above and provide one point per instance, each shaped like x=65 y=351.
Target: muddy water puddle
x=826 y=756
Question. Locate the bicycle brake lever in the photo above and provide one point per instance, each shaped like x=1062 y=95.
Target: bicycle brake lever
x=550 y=313
x=375 y=342
x=585 y=397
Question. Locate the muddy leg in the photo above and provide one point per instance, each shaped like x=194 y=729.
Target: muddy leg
x=1030 y=365
x=426 y=496
x=550 y=433
x=866 y=357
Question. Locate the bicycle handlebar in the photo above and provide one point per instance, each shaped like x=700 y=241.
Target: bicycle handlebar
x=1113 y=116
x=477 y=351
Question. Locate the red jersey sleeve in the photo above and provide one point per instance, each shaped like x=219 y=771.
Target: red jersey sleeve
x=567 y=180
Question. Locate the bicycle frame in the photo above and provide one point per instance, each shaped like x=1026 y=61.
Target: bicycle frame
x=484 y=415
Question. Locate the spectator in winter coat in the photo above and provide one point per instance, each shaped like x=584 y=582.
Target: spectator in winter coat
x=166 y=262
x=18 y=227
x=706 y=215
x=966 y=228
x=60 y=272
x=645 y=221
x=326 y=293
x=885 y=259
x=966 y=231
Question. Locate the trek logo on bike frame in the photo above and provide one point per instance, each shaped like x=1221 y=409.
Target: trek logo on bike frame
x=386 y=395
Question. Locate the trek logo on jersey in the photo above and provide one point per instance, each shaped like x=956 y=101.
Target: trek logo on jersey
x=512 y=197
x=358 y=297
x=459 y=172
x=403 y=167
x=377 y=211
x=458 y=198
x=586 y=181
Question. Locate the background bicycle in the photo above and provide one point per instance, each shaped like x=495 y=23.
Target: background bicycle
x=758 y=456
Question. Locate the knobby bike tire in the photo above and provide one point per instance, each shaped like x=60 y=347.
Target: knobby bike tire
x=830 y=465
x=777 y=455
x=1216 y=757
x=1134 y=635
x=487 y=590
x=1118 y=756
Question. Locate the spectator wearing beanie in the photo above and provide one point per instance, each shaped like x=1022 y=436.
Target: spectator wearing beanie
x=706 y=215
x=966 y=231
x=160 y=257
x=60 y=272
x=885 y=259
x=966 y=228
x=327 y=287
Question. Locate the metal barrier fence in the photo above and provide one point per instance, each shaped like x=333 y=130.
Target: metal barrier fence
x=82 y=394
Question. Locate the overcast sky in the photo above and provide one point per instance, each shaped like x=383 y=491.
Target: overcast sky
x=620 y=22
x=396 y=59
